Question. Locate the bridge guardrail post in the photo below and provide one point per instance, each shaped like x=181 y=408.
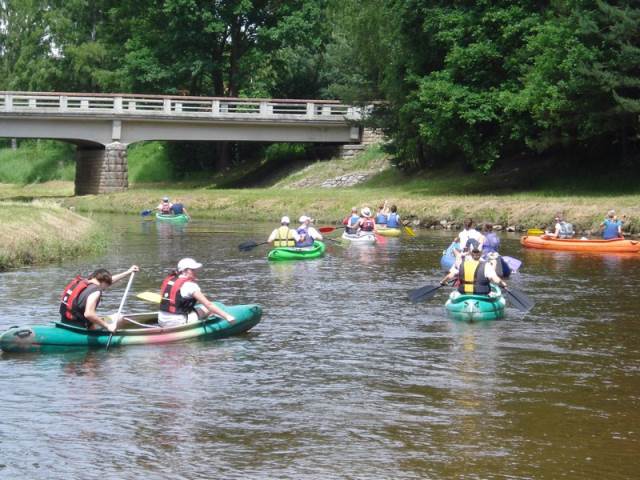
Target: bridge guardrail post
x=8 y=103
x=264 y=109
x=117 y=104
x=64 y=103
x=215 y=107
x=311 y=109
x=166 y=105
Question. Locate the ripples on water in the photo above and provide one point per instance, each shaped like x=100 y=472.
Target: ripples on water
x=343 y=378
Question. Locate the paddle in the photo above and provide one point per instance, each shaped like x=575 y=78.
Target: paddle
x=514 y=263
x=423 y=293
x=519 y=299
x=146 y=213
x=535 y=231
x=126 y=292
x=409 y=231
x=150 y=297
x=250 y=245
x=329 y=229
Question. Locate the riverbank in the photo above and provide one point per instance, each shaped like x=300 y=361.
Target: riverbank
x=425 y=209
x=40 y=232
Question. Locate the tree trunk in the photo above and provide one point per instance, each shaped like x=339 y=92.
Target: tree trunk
x=14 y=144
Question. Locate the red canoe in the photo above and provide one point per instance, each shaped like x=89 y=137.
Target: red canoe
x=616 y=245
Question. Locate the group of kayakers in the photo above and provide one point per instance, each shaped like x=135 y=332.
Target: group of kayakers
x=302 y=237
x=610 y=228
x=181 y=302
x=363 y=223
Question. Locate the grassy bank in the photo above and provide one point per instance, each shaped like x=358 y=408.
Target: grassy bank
x=521 y=198
x=40 y=232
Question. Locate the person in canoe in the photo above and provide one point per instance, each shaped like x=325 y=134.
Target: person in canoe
x=393 y=219
x=562 y=228
x=177 y=208
x=350 y=221
x=283 y=236
x=182 y=300
x=381 y=217
x=165 y=206
x=473 y=275
x=490 y=252
x=611 y=227
x=365 y=224
x=81 y=297
x=306 y=233
x=470 y=233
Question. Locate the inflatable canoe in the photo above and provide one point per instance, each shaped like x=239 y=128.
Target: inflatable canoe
x=474 y=308
x=293 y=253
x=182 y=218
x=58 y=336
x=388 y=232
x=360 y=238
x=617 y=245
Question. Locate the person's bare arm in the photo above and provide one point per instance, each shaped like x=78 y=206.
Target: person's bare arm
x=211 y=308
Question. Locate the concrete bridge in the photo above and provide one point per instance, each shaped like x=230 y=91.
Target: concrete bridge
x=102 y=125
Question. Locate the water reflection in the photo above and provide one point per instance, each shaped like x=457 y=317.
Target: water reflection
x=344 y=378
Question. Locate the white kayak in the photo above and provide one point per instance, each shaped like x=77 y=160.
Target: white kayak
x=360 y=238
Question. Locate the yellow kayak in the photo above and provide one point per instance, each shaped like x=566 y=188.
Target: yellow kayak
x=389 y=232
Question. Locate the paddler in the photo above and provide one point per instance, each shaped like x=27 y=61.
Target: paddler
x=611 y=227
x=182 y=300
x=381 y=217
x=366 y=223
x=81 y=297
x=283 y=236
x=470 y=233
x=351 y=221
x=164 y=207
x=306 y=233
x=474 y=276
x=393 y=219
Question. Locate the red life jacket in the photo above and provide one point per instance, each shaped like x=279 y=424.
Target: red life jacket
x=71 y=305
x=165 y=209
x=367 y=225
x=172 y=300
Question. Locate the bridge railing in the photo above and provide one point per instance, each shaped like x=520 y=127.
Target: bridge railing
x=156 y=105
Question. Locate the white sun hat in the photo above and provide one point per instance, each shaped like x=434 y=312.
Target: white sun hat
x=303 y=219
x=188 y=263
x=366 y=212
x=285 y=219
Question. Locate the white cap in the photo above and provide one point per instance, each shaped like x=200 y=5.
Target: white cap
x=304 y=218
x=165 y=199
x=285 y=219
x=366 y=212
x=188 y=263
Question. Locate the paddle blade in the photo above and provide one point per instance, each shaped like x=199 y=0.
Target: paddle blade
x=520 y=300
x=149 y=297
x=145 y=213
x=514 y=263
x=327 y=229
x=409 y=231
x=246 y=246
x=424 y=293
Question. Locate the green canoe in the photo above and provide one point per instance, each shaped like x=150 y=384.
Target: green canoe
x=292 y=253
x=182 y=218
x=56 y=336
x=473 y=308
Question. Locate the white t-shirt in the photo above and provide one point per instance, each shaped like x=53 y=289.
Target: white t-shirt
x=166 y=319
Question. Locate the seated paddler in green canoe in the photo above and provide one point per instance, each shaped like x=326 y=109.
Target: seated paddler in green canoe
x=475 y=298
x=81 y=297
x=182 y=301
x=283 y=236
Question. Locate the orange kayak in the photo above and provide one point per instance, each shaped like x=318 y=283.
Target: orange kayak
x=616 y=245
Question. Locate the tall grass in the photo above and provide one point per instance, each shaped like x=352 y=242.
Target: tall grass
x=149 y=162
x=39 y=232
x=37 y=161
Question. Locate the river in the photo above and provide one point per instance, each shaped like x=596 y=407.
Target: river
x=343 y=377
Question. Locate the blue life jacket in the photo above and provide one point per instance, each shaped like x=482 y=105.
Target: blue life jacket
x=177 y=209
x=393 y=221
x=611 y=229
x=305 y=240
x=491 y=243
x=381 y=219
x=353 y=219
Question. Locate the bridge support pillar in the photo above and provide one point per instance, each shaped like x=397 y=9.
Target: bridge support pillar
x=101 y=170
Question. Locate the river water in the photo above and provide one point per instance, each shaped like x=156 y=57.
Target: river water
x=343 y=378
